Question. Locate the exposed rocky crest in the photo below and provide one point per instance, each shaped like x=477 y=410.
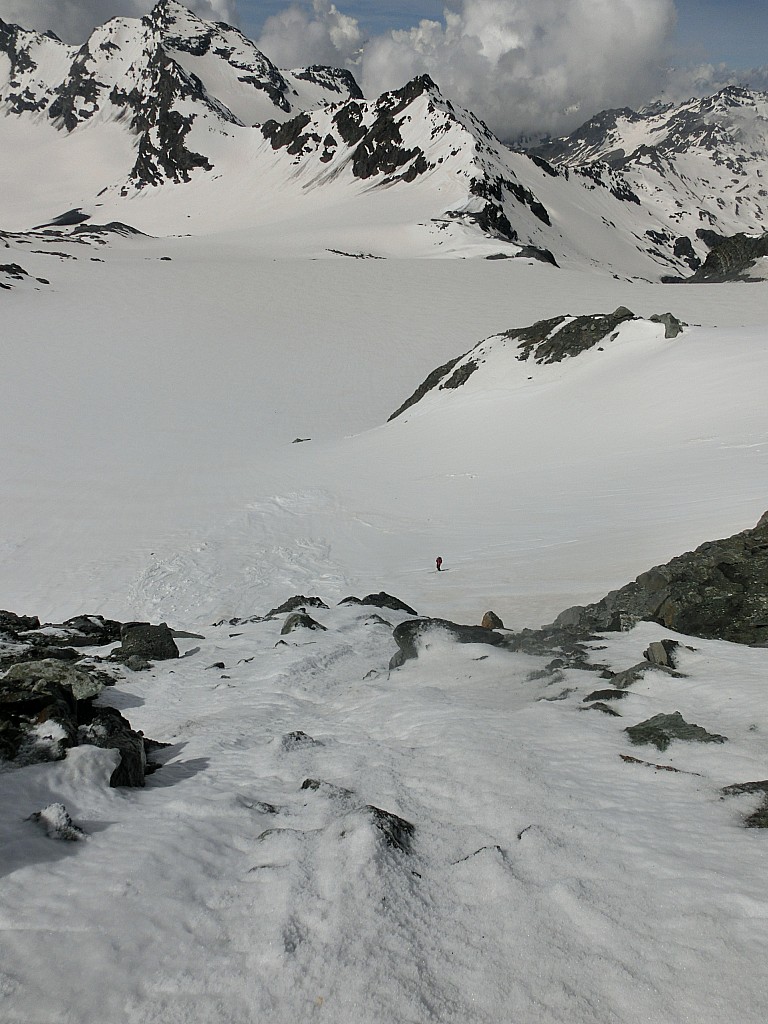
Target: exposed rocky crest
x=546 y=341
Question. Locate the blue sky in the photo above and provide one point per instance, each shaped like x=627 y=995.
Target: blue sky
x=732 y=31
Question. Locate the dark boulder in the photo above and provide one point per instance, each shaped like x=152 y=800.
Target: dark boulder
x=154 y=643
x=300 y=620
x=719 y=591
x=299 y=601
x=106 y=727
x=491 y=621
x=12 y=624
x=414 y=634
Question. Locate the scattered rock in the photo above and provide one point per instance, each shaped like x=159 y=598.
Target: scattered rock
x=601 y=695
x=650 y=764
x=216 y=664
x=758 y=818
x=36 y=675
x=299 y=601
x=663 y=652
x=672 y=326
x=397 y=832
x=328 y=789
x=662 y=729
x=106 y=727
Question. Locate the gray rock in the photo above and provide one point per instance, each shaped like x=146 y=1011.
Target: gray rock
x=298 y=740
x=413 y=634
x=300 y=620
x=718 y=591
x=600 y=706
x=758 y=818
x=396 y=831
x=381 y=600
x=662 y=729
x=664 y=653
x=291 y=605
x=36 y=675
x=154 y=643
x=602 y=695
x=672 y=326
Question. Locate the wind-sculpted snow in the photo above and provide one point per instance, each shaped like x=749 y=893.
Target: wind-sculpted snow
x=326 y=836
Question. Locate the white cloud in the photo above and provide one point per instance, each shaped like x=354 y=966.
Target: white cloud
x=522 y=65
x=532 y=65
x=682 y=83
x=74 y=20
x=295 y=37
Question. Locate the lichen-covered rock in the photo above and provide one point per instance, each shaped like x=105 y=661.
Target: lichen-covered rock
x=662 y=729
x=719 y=591
x=38 y=674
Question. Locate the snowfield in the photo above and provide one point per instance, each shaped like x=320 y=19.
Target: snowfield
x=148 y=409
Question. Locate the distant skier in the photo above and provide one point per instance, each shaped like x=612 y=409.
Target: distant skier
x=439 y=563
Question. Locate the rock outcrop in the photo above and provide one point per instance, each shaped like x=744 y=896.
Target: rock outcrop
x=718 y=591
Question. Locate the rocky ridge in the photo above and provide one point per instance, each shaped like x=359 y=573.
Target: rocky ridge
x=546 y=341
x=159 y=75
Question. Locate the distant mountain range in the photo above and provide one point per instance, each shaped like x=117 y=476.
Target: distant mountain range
x=152 y=105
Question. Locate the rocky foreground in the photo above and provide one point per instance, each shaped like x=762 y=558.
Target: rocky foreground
x=54 y=690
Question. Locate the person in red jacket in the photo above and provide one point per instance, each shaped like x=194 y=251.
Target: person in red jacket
x=439 y=563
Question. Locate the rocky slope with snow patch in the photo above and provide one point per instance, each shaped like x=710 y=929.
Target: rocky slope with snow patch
x=545 y=342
